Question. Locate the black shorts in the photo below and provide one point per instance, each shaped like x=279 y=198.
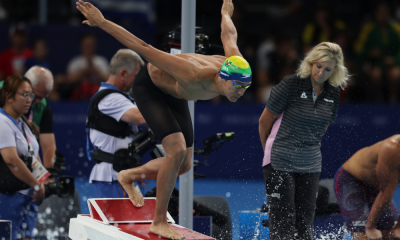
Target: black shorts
x=164 y=114
x=355 y=199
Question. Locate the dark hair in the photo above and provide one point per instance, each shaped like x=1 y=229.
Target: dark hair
x=87 y=35
x=39 y=39
x=10 y=86
x=32 y=126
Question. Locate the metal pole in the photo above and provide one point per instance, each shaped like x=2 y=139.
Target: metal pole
x=186 y=180
x=43 y=12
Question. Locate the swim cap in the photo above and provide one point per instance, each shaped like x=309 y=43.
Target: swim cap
x=235 y=68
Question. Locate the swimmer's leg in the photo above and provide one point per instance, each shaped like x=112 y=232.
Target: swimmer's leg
x=175 y=149
x=165 y=170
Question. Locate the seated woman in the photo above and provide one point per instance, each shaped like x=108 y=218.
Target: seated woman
x=18 y=142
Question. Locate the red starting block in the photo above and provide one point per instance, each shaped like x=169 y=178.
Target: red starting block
x=118 y=219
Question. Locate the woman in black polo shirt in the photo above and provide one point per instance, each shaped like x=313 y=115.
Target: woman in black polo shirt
x=303 y=105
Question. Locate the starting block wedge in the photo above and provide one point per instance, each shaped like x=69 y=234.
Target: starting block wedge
x=121 y=210
x=118 y=219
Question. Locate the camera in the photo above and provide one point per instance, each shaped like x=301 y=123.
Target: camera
x=59 y=165
x=146 y=140
x=202 y=45
x=64 y=186
x=143 y=141
x=214 y=142
x=211 y=144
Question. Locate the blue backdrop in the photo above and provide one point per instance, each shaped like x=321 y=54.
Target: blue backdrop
x=356 y=127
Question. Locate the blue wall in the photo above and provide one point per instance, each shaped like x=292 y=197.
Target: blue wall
x=356 y=127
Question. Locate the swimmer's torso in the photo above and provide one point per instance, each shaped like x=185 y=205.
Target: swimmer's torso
x=362 y=165
x=199 y=90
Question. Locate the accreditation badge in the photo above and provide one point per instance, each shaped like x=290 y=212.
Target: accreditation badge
x=38 y=170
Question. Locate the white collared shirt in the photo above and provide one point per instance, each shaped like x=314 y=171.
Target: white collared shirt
x=114 y=105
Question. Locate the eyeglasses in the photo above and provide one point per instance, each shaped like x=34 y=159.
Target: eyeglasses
x=239 y=85
x=28 y=96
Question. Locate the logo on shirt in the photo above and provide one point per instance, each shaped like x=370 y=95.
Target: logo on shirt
x=276 y=195
x=303 y=95
x=327 y=100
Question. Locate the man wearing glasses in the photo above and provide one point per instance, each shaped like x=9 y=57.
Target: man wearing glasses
x=40 y=112
x=163 y=101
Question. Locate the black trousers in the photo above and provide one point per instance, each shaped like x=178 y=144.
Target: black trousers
x=291 y=201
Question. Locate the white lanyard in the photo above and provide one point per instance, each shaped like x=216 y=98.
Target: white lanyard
x=38 y=171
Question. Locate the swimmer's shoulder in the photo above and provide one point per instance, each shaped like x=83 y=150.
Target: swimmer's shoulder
x=395 y=138
x=392 y=143
x=389 y=147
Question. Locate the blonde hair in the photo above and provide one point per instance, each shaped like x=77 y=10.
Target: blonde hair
x=323 y=52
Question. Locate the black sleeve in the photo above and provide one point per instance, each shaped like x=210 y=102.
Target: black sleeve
x=46 y=124
x=336 y=98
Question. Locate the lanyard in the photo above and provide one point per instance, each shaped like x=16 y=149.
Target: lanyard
x=30 y=149
x=38 y=171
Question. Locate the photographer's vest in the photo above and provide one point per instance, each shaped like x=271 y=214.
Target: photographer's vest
x=97 y=120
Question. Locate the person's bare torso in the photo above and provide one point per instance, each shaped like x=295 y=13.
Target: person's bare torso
x=198 y=90
x=362 y=165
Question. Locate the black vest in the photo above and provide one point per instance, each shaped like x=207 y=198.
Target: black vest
x=121 y=159
x=103 y=123
x=8 y=181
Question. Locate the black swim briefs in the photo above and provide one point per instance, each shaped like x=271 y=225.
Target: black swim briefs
x=163 y=113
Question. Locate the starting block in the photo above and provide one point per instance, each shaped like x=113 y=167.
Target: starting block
x=118 y=219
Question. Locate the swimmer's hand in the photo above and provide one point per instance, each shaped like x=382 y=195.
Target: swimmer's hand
x=395 y=233
x=92 y=14
x=373 y=233
x=227 y=8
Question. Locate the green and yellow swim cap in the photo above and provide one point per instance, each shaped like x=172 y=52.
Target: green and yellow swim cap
x=235 y=68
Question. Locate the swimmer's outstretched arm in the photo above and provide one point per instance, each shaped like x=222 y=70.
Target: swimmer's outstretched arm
x=181 y=69
x=228 y=30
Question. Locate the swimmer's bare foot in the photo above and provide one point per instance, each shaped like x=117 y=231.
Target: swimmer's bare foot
x=164 y=230
x=127 y=183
